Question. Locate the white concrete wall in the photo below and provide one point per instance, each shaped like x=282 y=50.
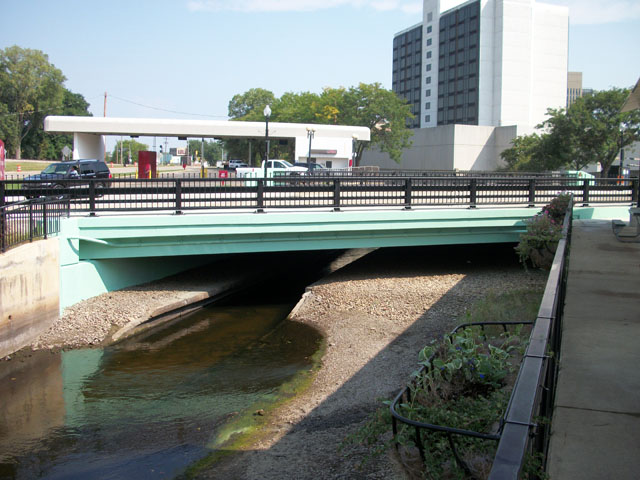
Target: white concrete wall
x=449 y=147
x=430 y=7
x=523 y=61
x=488 y=71
x=550 y=60
x=88 y=145
x=29 y=293
x=516 y=41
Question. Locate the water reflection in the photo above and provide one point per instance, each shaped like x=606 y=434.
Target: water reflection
x=147 y=407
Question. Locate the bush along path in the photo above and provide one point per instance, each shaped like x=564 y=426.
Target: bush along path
x=446 y=422
x=544 y=231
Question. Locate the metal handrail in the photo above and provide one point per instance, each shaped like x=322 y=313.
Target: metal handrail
x=534 y=389
x=28 y=220
x=321 y=191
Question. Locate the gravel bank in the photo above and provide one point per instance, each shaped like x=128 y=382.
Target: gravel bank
x=375 y=314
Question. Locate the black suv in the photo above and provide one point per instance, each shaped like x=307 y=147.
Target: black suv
x=56 y=174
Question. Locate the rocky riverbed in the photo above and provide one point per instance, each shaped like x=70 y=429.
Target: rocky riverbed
x=375 y=314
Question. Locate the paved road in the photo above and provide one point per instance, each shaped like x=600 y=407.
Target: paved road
x=596 y=421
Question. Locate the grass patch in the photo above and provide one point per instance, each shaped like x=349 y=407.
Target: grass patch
x=12 y=165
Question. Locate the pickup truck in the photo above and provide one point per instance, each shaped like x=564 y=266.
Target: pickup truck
x=274 y=168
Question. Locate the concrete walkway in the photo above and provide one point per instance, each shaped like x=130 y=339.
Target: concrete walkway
x=596 y=420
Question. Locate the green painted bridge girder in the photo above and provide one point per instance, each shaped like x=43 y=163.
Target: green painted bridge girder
x=105 y=253
x=134 y=236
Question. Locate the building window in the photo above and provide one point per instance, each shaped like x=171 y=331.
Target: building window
x=429 y=29
x=430 y=17
x=428 y=42
x=428 y=80
x=429 y=54
x=427 y=93
x=427 y=106
x=427 y=118
x=428 y=67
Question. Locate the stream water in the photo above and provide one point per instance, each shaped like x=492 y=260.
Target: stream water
x=149 y=406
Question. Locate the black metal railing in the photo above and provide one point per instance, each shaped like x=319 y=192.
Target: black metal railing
x=27 y=220
x=533 y=393
x=527 y=420
x=319 y=191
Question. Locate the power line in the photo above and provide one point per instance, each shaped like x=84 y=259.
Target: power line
x=166 y=110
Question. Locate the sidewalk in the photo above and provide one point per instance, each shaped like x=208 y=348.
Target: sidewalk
x=596 y=421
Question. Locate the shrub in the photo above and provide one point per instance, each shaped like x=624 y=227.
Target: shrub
x=538 y=245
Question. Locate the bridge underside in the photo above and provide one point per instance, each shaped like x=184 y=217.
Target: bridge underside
x=105 y=253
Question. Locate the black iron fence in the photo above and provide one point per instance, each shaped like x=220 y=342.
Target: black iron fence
x=527 y=421
x=524 y=429
x=27 y=220
x=318 y=191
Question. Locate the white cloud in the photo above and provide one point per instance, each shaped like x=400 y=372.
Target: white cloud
x=407 y=6
x=593 y=12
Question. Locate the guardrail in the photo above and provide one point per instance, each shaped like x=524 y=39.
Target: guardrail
x=25 y=221
x=319 y=191
x=532 y=396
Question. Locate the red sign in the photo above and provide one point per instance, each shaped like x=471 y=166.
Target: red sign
x=1 y=160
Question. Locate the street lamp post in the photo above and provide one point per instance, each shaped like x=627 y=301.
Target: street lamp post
x=310 y=133
x=354 y=140
x=267 y=114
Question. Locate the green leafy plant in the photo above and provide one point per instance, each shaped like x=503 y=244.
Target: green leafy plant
x=538 y=245
x=465 y=383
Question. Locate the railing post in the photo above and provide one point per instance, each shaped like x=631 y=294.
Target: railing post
x=473 y=192
x=178 y=197
x=585 y=193
x=336 y=194
x=407 y=193
x=92 y=198
x=260 y=195
x=3 y=227
x=532 y=192
x=635 y=186
x=30 y=221
x=44 y=219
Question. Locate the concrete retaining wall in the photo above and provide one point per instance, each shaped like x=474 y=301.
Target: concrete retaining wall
x=29 y=293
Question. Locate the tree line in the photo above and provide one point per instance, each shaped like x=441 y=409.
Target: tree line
x=591 y=130
x=30 y=89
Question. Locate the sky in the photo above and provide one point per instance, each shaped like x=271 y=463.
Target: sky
x=188 y=58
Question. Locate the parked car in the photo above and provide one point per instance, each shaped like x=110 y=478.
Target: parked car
x=283 y=165
x=233 y=164
x=56 y=174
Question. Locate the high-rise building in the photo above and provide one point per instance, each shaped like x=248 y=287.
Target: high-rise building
x=483 y=62
x=574 y=87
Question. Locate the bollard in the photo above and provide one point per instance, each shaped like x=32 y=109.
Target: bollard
x=19 y=168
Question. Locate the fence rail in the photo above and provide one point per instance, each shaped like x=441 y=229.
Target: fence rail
x=532 y=396
x=25 y=221
x=319 y=191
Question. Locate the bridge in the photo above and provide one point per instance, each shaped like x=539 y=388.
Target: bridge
x=127 y=231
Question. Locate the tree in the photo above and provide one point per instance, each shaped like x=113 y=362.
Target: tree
x=365 y=105
x=43 y=145
x=591 y=130
x=30 y=88
x=129 y=149
x=370 y=105
x=212 y=150
x=594 y=129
